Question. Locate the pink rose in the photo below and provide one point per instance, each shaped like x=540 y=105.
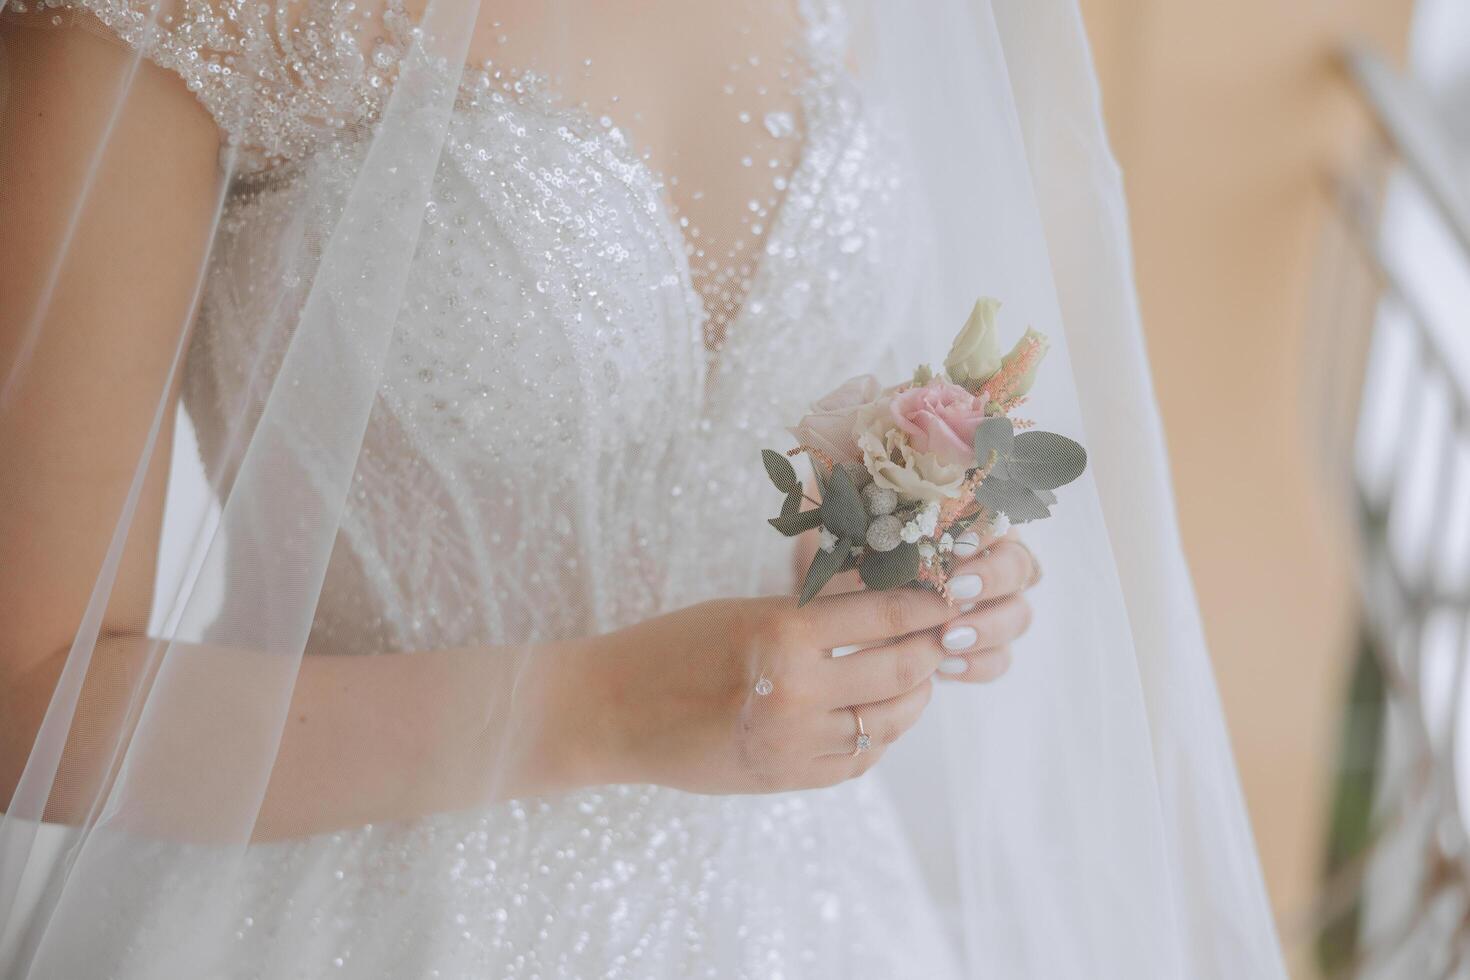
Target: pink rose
x=940 y=418
x=831 y=426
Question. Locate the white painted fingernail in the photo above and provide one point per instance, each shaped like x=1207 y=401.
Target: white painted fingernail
x=967 y=544
x=968 y=606
x=965 y=586
x=843 y=651
x=953 y=665
x=959 y=638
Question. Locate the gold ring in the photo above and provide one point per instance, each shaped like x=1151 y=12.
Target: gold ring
x=864 y=740
x=1035 y=564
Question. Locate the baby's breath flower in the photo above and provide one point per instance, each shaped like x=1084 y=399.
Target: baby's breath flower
x=946 y=542
x=826 y=539
x=928 y=517
x=910 y=532
x=926 y=550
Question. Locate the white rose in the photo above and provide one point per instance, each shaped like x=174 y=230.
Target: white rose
x=899 y=467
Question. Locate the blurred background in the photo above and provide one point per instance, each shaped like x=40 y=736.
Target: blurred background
x=1298 y=189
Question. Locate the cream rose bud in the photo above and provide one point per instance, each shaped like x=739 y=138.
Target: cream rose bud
x=975 y=353
x=1032 y=359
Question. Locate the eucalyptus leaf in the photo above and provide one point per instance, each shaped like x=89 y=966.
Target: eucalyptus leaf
x=842 y=507
x=793 y=524
x=890 y=569
x=1046 y=460
x=1012 y=498
x=780 y=470
x=825 y=564
x=994 y=434
x=792 y=503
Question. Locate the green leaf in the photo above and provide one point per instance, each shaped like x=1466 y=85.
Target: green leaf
x=794 y=524
x=792 y=503
x=825 y=564
x=890 y=569
x=780 y=470
x=842 y=507
x=992 y=435
x=1045 y=460
x=1015 y=500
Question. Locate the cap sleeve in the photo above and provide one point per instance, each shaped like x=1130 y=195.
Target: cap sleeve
x=276 y=78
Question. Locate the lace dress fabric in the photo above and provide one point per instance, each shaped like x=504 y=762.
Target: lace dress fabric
x=553 y=335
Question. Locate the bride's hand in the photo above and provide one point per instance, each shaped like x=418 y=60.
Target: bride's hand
x=677 y=701
x=998 y=618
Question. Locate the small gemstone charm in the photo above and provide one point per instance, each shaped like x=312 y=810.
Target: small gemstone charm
x=764 y=686
x=864 y=742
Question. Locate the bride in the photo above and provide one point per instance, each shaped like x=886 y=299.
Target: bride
x=482 y=662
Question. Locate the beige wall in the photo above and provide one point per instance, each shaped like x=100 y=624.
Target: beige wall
x=1225 y=117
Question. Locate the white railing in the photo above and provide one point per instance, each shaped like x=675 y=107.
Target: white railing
x=1397 y=902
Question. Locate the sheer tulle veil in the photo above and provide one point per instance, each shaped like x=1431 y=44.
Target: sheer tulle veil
x=1080 y=819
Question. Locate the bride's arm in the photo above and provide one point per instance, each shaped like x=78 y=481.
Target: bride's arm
x=82 y=379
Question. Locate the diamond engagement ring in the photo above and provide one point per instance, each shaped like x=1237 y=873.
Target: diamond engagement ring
x=864 y=740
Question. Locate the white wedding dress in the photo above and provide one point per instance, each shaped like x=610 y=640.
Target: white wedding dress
x=553 y=332
x=480 y=359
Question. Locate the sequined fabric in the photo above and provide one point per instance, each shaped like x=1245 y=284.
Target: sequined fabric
x=554 y=334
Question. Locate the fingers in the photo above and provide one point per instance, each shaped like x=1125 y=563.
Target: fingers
x=868 y=615
x=878 y=673
x=978 y=667
x=1004 y=568
x=882 y=672
x=973 y=647
x=993 y=623
x=883 y=722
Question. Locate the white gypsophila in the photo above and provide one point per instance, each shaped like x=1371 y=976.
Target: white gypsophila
x=826 y=539
x=911 y=532
x=1000 y=525
x=926 y=550
x=928 y=518
x=946 y=542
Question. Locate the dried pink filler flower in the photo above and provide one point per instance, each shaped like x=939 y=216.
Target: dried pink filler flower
x=1008 y=385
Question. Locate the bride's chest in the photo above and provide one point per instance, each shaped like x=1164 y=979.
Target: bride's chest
x=550 y=318
x=553 y=303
